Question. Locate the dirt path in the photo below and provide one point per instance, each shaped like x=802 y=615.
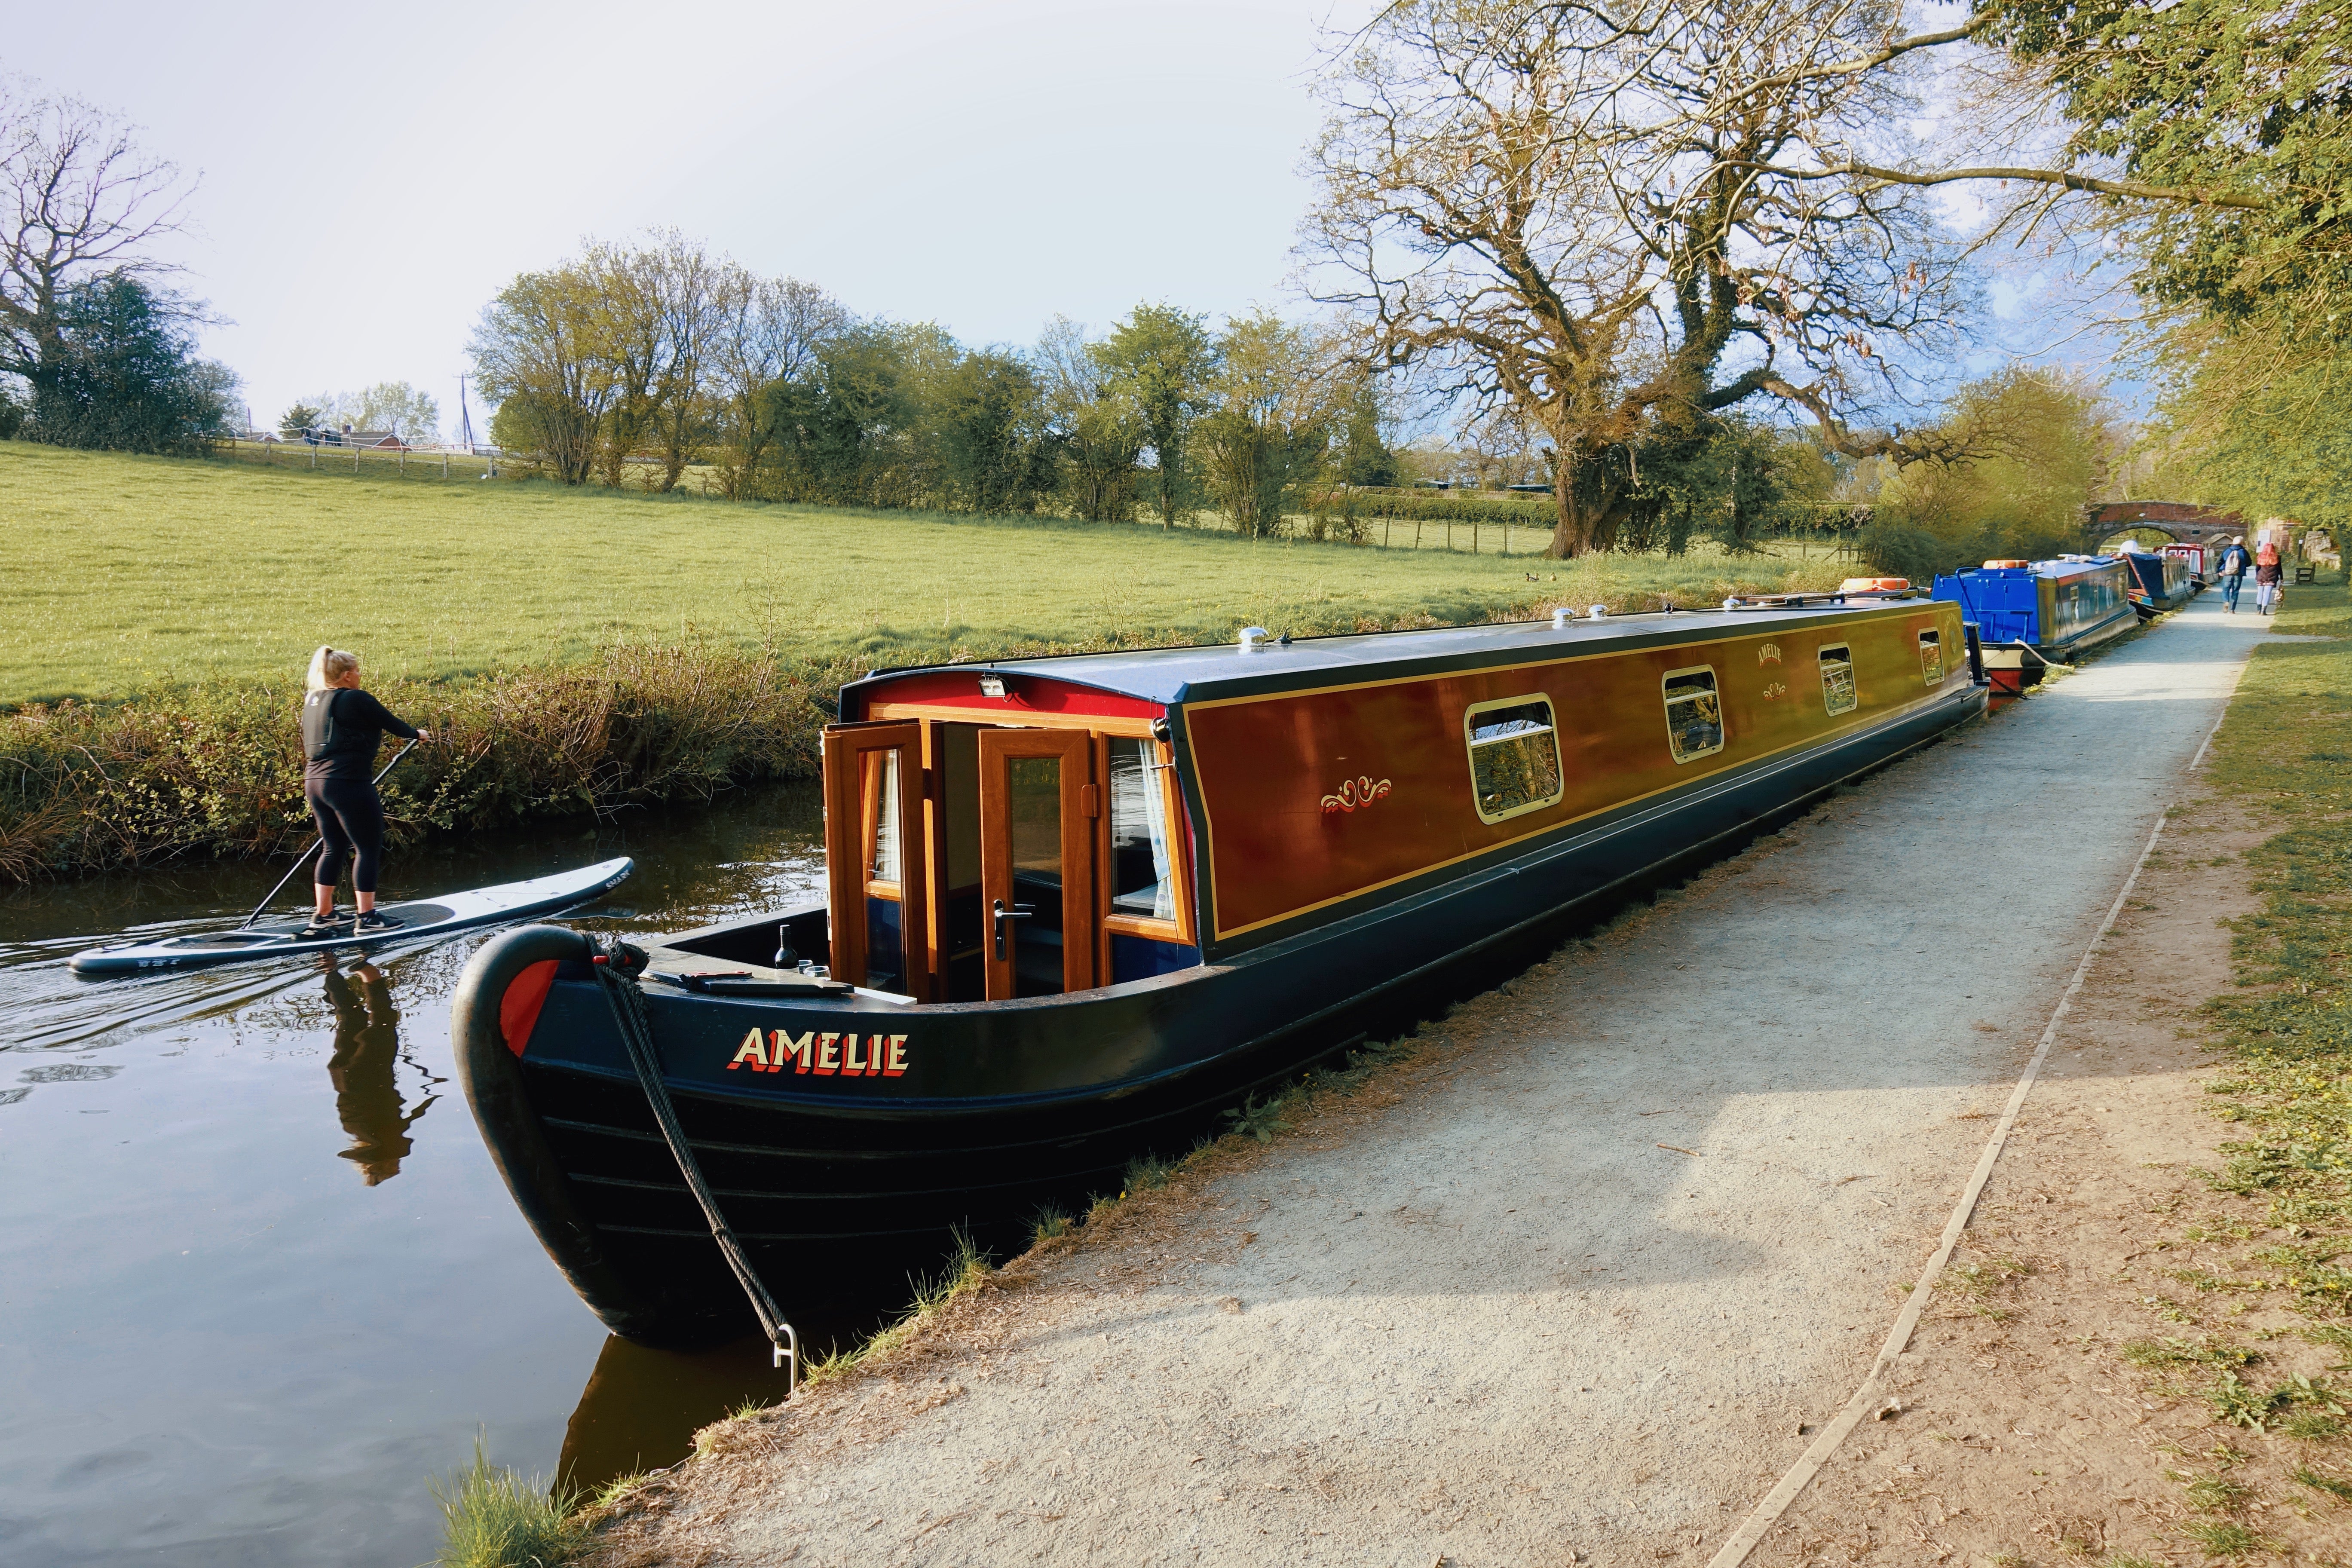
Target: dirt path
x=1570 y=1283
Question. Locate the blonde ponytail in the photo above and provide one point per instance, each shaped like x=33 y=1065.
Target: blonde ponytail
x=330 y=665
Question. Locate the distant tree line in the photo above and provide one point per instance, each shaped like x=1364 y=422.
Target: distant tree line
x=635 y=364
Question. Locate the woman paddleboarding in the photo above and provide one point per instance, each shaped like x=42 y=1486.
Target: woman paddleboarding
x=342 y=726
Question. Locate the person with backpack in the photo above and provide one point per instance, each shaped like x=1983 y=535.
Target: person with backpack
x=2234 y=561
x=342 y=726
x=2269 y=574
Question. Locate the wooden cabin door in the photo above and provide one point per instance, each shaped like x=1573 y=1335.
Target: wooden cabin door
x=1038 y=802
x=875 y=861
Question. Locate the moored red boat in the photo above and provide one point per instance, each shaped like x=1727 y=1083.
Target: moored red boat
x=1080 y=906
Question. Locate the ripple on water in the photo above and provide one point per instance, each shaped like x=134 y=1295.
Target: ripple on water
x=278 y=1284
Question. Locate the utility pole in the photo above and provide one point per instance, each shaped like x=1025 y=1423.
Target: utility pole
x=464 y=419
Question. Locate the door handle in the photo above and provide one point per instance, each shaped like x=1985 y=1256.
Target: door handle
x=999 y=915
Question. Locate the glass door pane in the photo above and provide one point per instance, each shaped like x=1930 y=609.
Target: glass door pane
x=875 y=862
x=1036 y=861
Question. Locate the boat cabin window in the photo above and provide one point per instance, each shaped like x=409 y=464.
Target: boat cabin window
x=1931 y=658
x=1693 y=713
x=1514 y=757
x=1142 y=864
x=1837 y=678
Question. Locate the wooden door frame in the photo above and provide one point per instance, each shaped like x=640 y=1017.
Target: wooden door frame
x=1178 y=930
x=849 y=827
x=1081 y=811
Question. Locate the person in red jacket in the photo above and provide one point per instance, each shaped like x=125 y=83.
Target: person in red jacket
x=2268 y=575
x=342 y=726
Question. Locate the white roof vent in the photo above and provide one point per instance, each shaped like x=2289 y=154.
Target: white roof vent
x=1250 y=637
x=1561 y=616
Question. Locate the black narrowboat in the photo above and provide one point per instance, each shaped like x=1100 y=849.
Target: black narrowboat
x=1080 y=906
x=2160 y=582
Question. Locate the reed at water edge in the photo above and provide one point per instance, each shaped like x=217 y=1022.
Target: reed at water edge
x=216 y=772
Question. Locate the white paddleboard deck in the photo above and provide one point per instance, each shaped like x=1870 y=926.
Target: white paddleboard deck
x=423 y=918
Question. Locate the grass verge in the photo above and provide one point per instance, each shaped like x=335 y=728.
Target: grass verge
x=2286 y=1029
x=493 y=1517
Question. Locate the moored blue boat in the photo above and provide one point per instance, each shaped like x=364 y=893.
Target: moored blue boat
x=2058 y=608
x=2161 y=583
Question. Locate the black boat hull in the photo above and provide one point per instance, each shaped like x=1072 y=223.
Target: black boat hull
x=996 y=1109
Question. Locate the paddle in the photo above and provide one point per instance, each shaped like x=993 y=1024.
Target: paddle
x=317 y=847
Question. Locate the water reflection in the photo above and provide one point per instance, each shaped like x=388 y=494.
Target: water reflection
x=219 y=1347
x=367 y=1050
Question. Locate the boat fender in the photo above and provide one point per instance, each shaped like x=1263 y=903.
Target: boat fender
x=509 y=976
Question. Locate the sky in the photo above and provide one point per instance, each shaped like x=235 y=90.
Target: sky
x=370 y=177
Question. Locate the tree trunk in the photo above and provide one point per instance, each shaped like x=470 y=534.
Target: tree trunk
x=1585 y=525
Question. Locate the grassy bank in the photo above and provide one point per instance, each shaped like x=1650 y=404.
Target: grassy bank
x=583 y=650
x=2285 y=753
x=129 y=575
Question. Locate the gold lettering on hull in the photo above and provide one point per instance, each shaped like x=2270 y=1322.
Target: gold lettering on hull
x=824 y=1056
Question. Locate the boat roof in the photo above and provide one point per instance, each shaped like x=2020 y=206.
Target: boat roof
x=1169 y=675
x=2064 y=566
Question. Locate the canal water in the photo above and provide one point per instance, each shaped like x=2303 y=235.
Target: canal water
x=258 y=1280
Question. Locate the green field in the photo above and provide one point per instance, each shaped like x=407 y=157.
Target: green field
x=125 y=573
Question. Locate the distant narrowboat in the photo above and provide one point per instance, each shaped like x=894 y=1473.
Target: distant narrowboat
x=2055 y=609
x=1080 y=906
x=2195 y=557
x=2160 y=583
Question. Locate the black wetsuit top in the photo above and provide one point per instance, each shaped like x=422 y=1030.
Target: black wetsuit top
x=360 y=724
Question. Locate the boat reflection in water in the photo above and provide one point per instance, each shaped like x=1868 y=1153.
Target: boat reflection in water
x=643 y=1405
x=364 y=1071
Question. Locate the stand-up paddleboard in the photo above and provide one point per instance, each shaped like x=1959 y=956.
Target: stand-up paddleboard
x=424 y=918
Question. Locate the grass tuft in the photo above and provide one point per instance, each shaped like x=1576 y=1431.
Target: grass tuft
x=1146 y=1172
x=2303 y=1475
x=967 y=1269
x=2227 y=1538
x=492 y=1518
x=1256 y=1120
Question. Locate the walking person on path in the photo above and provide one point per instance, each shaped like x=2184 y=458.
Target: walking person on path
x=2234 y=561
x=342 y=728
x=2268 y=575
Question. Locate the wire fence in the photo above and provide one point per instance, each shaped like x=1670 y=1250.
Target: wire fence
x=437 y=462
x=1499 y=535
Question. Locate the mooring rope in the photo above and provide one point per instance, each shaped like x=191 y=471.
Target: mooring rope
x=628 y=1004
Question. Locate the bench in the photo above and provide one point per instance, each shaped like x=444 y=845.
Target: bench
x=2306 y=574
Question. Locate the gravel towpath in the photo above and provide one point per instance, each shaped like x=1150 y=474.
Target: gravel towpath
x=1575 y=1289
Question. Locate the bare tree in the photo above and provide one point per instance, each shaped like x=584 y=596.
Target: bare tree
x=628 y=332
x=83 y=201
x=687 y=281
x=1581 y=215
x=1094 y=417
x=768 y=331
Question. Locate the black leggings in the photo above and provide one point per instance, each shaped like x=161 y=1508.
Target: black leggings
x=350 y=820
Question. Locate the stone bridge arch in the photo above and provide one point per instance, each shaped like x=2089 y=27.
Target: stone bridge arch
x=2184 y=522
